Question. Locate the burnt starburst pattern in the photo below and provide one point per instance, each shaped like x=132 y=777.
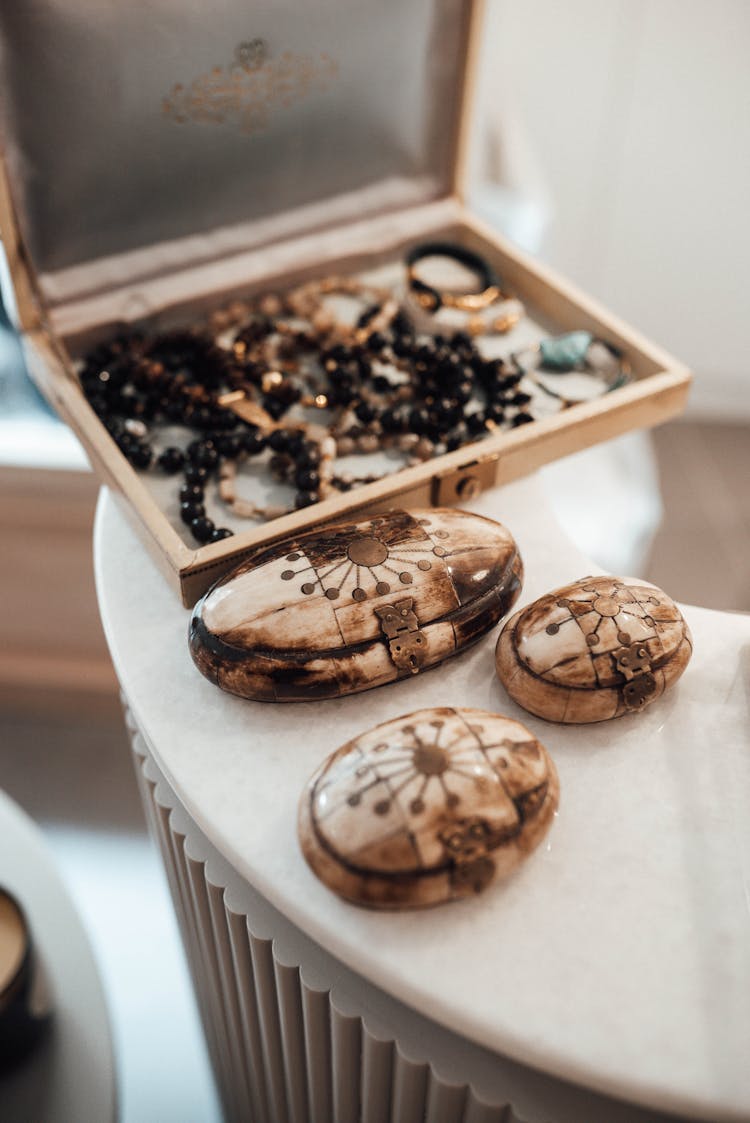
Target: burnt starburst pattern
x=421 y=764
x=617 y=602
x=368 y=566
x=439 y=766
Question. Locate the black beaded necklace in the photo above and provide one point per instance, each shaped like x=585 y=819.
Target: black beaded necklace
x=384 y=388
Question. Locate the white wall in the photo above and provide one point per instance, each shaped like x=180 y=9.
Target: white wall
x=624 y=126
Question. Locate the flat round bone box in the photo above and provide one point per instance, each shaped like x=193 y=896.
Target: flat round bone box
x=348 y=607
x=597 y=649
x=427 y=808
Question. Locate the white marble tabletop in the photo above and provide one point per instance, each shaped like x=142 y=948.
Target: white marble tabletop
x=618 y=956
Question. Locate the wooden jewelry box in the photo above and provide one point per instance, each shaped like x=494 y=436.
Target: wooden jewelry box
x=159 y=163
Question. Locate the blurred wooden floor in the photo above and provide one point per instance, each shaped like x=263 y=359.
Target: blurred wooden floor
x=701 y=554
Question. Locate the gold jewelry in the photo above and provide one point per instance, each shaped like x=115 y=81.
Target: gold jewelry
x=432 y=299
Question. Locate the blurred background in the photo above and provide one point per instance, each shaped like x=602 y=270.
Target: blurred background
x=621 y=147
x=612 y=141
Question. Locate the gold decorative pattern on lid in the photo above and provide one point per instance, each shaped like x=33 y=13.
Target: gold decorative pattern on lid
x=250 y=89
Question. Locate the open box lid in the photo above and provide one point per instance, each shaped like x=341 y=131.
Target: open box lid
x=152 y=136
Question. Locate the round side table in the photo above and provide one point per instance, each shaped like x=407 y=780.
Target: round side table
x=606 y=982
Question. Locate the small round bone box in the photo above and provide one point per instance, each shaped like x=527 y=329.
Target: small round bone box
x=352 y=606
x=597 y=649
x=427 y=808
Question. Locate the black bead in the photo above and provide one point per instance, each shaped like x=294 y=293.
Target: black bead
x=202 y=528
x=338 y=352
x=521 y=419
x=365 y=412
x=446 y=412
x=274 y=407
x=148 y=407
x=419 y=420
x=307 y=479
x=339 y=375
x=279 y=440
x=203 y=452
x=476 y=422
x=140 y=456
x=196 y=474
x=221 y=532
x=305 y=499
x=463 y=392
x=253 y=442
x=392 y=421
x=402 y=347
x=519 y=399
x=191 y=493
x=376 y=341
x=125 y=442
x=288 y=393
x=295 y=444
x=191 y=510
x=381 y=384
x=401 y=324
x=99 y=404
x=228 y=444
x=203 y=418
x=308 y=456
x=279 y=465
x=457 y=437
x=221 y=421
x=341 y=395
x=171 y=460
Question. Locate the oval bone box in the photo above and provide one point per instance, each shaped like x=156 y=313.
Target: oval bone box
x=427 y=808
x=348 y=607
x=596 y=649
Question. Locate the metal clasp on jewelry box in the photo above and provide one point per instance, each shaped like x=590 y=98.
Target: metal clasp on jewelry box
x=463 y=483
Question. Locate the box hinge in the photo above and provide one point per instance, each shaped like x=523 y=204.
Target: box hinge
x=458 y=485
x=634 y=664
x=406 y=643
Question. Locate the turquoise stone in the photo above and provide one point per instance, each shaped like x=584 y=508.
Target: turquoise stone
x=565 y=352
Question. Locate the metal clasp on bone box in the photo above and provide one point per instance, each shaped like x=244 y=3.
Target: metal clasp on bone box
x=634 y=664
x=466 y=844
x=406 y=643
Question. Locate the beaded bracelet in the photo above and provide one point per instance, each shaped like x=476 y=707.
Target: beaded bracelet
x=481 y=320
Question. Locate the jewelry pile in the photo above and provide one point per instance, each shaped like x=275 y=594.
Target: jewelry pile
x=284 y=379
